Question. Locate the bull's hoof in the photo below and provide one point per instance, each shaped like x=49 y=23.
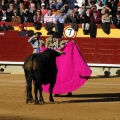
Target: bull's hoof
x=41 y=101
x=29 y=100
x=36 y=102
x=51 y=100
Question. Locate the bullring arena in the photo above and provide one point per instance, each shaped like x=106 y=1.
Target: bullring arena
x=97 y=99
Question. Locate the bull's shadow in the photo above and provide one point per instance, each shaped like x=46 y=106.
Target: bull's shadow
x=100 y=97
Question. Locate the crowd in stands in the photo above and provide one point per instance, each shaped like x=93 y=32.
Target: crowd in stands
x=57 y=12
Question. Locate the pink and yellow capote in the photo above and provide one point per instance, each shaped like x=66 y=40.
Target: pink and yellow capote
x=73 y=71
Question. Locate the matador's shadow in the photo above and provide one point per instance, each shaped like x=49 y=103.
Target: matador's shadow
x=100 y=97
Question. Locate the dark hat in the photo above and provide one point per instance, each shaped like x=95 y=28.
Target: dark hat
x=76 y=6
x=39 y=33
x=53 y=6
x=57 y=35
x=50 y=32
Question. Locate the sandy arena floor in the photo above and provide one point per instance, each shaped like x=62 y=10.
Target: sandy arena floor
x=98 y=99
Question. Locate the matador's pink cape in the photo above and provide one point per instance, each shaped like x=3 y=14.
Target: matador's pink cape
x=73 y=71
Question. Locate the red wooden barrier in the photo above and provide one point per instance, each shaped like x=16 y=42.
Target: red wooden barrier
x=97 y=50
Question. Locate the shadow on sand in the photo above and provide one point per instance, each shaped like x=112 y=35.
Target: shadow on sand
x=102 y=97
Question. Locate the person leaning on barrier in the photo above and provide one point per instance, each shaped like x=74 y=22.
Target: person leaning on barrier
x=3 y=27
x=22 y=31
x=36 y=42
x=50 y=39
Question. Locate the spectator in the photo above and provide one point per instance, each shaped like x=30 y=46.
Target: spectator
x=59 y=21
x=3 y=26
x=113 y=6
x=49 y=17
x=38 y=17
x=16 y=18
x=21 y=9
x=10 y=9
x=16 y=4
x=106 y=7
x=94 y=20
x=106 y=20
x=54 y=10
x=27 y=16
x=71 y=18
x=99 y=5
x=22 y=31
x=43 y=9
x=5 y=15
x=59 y=4
x=66 y=9
x=93 y=7
x=76 y=13
x=116 y=20
x=32 y=8
x=53 y=3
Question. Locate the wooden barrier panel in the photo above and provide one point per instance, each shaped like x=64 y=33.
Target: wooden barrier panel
x=14 y=48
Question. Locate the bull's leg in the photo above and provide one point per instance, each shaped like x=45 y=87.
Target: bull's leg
x=36 y=92
x=41 y=97
x=51 y=90
x=29 y=97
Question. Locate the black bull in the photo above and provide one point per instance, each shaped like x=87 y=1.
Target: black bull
x=41 y=68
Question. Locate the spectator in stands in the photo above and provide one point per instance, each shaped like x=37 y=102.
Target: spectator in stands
x=76 y=13
x=5 y=15
x=59 y=4
x=94 y=20
x=116 y=20
x=16 y=4
x=27 y=16
x=49 y=17
x=93 y=7
x=21 y=9
x=113 y=6
x=38 y=17
x=71 y=18
x=10 y=9
x=22 y=31
x=99 y=5
x=3 y=27
x=43 y=9
x=66 y=9
x=36 y=42
x=59 y=21
x=84 y=18
x=106 y=20
x=16 y=17
x=53 y=3
x=106 y=7
x=32 y=8
x=54 y=10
